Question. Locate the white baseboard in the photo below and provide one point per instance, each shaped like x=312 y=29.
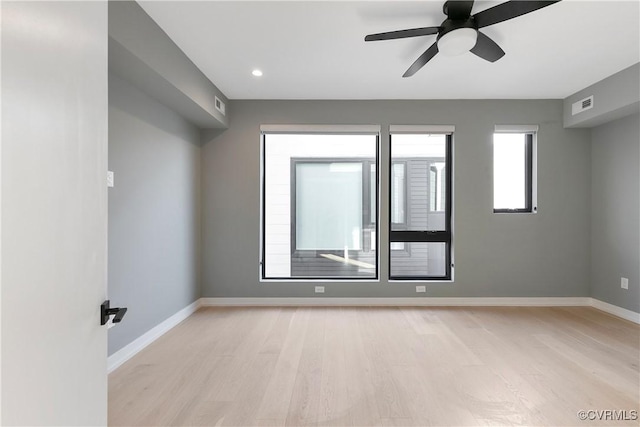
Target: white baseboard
x=133 y=348
x=428 y=301
x=615 y=310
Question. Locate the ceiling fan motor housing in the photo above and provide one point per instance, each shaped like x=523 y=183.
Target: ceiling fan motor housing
x=450 y=25
x=457 y=37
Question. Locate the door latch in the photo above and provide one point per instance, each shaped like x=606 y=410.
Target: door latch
x=106 y=311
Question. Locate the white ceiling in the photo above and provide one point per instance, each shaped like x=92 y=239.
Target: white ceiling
x=316 y=50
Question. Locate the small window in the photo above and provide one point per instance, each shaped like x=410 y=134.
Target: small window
x=513 y=172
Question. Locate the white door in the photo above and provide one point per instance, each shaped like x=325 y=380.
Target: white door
x=53 y=212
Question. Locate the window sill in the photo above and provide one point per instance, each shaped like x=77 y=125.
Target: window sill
x=514 y=211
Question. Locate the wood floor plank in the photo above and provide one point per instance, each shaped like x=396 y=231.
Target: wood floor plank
x=360 y=387
x=304 y=409
x=383 y=366
x=277 y=399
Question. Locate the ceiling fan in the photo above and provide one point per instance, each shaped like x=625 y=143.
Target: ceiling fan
x=459 y=32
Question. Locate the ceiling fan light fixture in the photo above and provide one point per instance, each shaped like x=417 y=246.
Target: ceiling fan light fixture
x=458 y=41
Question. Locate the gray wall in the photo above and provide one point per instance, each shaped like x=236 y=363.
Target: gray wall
x=543 y=254
x=615 y=97
x=143 y=53
x=615 y=207
x=154 y=211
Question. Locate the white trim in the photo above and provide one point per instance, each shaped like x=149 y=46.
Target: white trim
x=623 y=313
x=320 y=128
x=133 y=348
x=428 y=301
x=516 y=128
x=422 y=128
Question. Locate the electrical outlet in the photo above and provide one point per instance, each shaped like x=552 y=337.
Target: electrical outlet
x=421 y=289
x=624 y=283
x=319 y=289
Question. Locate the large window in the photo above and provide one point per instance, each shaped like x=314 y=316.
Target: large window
x=513 y=171
x=320 y=204
x=420 y=204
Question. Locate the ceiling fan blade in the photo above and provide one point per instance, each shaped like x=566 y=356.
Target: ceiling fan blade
x=487 y=49
x=458 y=10
x=401 y=34
x=508 y=10
x=422 y=60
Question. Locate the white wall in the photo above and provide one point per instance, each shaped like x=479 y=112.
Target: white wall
x=54 y=212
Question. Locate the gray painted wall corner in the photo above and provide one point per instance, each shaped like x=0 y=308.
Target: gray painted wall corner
x=615 y=97
x=615 y=207
x=155 y=224
x=140 y=51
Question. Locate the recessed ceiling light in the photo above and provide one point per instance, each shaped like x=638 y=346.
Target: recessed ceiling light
x=257 y=72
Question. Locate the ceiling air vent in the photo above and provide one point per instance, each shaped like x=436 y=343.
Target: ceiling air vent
x=220 y=106
x=582 y=105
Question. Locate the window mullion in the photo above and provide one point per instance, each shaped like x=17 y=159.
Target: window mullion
x=528 y=168
x=419 y=236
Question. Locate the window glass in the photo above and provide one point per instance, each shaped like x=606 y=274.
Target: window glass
x=398 y=193
x=419 y=259
x=509 y=171
x=437 y=187
x=420 y=235
x=417 y=162
x=319 y=205
x=373 y=191
x=328 y=206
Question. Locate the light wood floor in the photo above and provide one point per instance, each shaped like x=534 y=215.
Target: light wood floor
x=383 y=366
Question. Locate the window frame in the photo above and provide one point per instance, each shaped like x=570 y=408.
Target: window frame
x=436 y=236
x=437 y=185
x=404 y=193
x=530 y=172
x=366 y=197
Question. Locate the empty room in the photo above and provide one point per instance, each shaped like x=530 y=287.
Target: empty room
x=320 y=213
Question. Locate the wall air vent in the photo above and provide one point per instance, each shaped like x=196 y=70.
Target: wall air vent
x=582 y=105
x=220 y=106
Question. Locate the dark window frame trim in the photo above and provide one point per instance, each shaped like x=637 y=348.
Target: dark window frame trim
x=528 y=178
x=366 y=197
x=442 y=236
x=368 y=184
